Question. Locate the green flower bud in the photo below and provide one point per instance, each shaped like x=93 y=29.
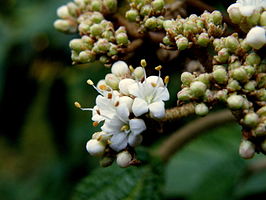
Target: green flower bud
x=121 y=29
x=66 y=26
x=84 y=28
x=262 y=111
x=231 y=43
x=167 y=41
x=75 y=56
x=97 y=17
x=151 y=23
x=184 y=94
x=63 y=12
x=187 y=78
x=123 y=159
x=251 y=119
x=168 y=24
x=233 y=85
x=261 y=80
x=146 y=10
x=157 y=5
x=107 y=25
x=72 y=9
x=250 y=70
x=104 y=59
x=246 y=149
x=260 y=130
x=103 y=45
x=88 y=41
x=87 y=56
x=96 y=5
x=77 y=45
x=201 y=109
x=112 y=80
x=223 y=55
x=96 y=30
x=216 y=67
x=235 y=102
x=239 y=74
x=235 y=15
x=190 y=27
x=203 y=40
x=109 y=36
x=111 y=5
x=263 y=145
x=234 y=65
x=182 y=43
x=220 y=76
x=253 y=59
x=217 y=17
x=221 y=95
x=95 y=147
x=254 y=18
x=261 y=94
x=244 y=45
x=218 y=44
x=261 y=68
x=263 y=19
x=197 y=88
x=122 y=39
x=113 y=50
x=138 y=73
x=204 y=78
x=132 y=15
x=250 y=86
x=106 y=161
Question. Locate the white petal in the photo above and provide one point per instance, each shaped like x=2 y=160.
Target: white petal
x=247 y=10
x=134 y=89
x=118 y=141
x=123 y=112
x=256 y=37
x=161 y=94
x=120 y=68
x=137 y=126
x=134 y=140
x=126 y=100
x=157 y=109
x=124 y=85
x=139 y=107
x=155 y=80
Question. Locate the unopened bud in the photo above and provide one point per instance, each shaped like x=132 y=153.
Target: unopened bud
x=96 y=30
x=256 y=37
x=77 y=45
x=220 y=76
x=203 y=39
x=182 y=43
x=87 y=56
x=263 y=19
x=157 y=5
x=120 y=69
x=234 y=14
x=239 y=74
x=96 y=5
x=138 y=73
x=250 y=86
x=235 y=102
x=132 y=15
x=123 y=159
x=112 y=80
x=146 y=10
x=106 y=161
x=122 y=39
x=65 y=26
x=184 y=94
x=233 y=85
x=95 y=147
x=253 y=59
x=111 y=5
x=187 y=78
x=217 y=17
x=223 y=55
x=63 y=12
x=151 y=23
x=96 y=17
x=201 y=109
x=232 y=43
x=251 y=119
x=197 y=88
x=246 y=149
x=262 y=111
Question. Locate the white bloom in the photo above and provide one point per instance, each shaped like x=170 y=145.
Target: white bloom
x=149 y=97
x=120 y=69
x=124 y=85
x=256 y=37
x=247 y=7
x=95 y=147
x=124 y=131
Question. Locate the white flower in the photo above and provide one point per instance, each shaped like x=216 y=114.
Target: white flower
x=247 y=7
x=124 y=131
x=95 y=147
x=149 y=97
x=120 y=69
x=256 y=37
x=124 y=85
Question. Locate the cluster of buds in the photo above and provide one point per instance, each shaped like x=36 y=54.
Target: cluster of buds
x=99 y=39
x=126 y=98
x=248 y=13
x=147 y=13
x=199 y=30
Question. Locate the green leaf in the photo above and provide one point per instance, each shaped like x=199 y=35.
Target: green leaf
x=114 y=183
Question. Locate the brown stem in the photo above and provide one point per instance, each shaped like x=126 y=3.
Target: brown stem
x=178 y=139
x=178 y=112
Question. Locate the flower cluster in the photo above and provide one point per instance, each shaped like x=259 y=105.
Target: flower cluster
x=126 y=97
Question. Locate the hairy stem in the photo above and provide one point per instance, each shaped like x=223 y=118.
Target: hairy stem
x=178 y=112
x=178 y=139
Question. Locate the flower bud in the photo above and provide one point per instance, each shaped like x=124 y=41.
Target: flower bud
x=263 y=19
x=65 y=26
x=251 y=119
x=197 y=88
x=182 y=43
x=203 y=39
x=231 y=43
x=151 y=23
x=233 y=85
x=106 y=161
x=96 y=17
x=239 y=74
x=201 y=109
x=234 y=14
x=132 y=15
x=111 y=5
x=262 y=111
x=112 y=81
x=123 y=159
x=77 y=45
x=217 y=17
x=253 y=59
x=63 y=12
x=223 y=55
x=103 y=45
x=88 y=41
x=72 y=9
x=104 y=59
x=250 y=86
x=187 y=78
x=121 y=39
x=124 y=85
x=260 y=129
x=157 y=5
x=95 y=147
x=96 y=5
x=87 y=56
x=220 y=76
x=221 y=95
x=261 y=80
x=244 y=45
x=184 y=94
x=256 y=37
x=235 y=102
x=204 y=78
x=167 y=41
x=261 y=94
x=146 y=10
x=113 y=50
x=253 y=19
x=120 y=69
x=96 y=30
x=138 y=73
x=168 y=24
x=246 y=149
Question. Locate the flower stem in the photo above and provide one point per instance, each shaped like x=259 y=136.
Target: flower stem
x=178 y=112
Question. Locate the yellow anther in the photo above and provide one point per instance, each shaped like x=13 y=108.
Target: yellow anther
x=153 y=84
x=109 y=95
x=131 y=68
x=95 y=124
x=103 y=87
x=143 y=63
x=166 y=79
x=124 y=128
x=117 y=104
x=90 y=82
x=77 y=104
x=158 y=68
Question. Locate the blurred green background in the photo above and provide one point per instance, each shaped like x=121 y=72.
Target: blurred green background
x=43 y=136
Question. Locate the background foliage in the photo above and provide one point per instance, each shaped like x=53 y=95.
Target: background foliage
x=43 y=137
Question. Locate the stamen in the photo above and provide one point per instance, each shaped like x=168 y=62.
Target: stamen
x=103 y=87
x=143 y=63
x=166 y=80
x=109 y=95
x=131 y=68
x=154 y=84
x=90 y=82
x=158 y=68
x=95 y=124
x=117 y=104
x=124 y=128
x=77 y=104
